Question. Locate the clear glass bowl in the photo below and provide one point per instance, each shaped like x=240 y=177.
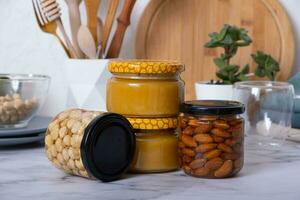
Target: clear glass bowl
x=269 y=108
x=21 y=96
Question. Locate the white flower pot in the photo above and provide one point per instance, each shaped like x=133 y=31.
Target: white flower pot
x=206 y=91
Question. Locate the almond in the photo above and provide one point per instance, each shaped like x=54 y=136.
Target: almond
x=181 y=145
x=188 y=130
x=198 y=163
x=221 y=124
x=212 y=154
x=214 y=163
x=208 y=118
x=236 y=134
x=203 y=138
x=201 y=171
x=235 y=122
x=218 y=139
x=182 y=123
x=225 y=148
x=238 y=163
x=202 y=148
x=193 y=122
x=230 y=156
x=186 y=159
x=188 y=141
x=237 y=148
x=220 y=133
x=203 y=127
x=187 y=169
x=225 y=170
x=230 y=142
x=198 y=155
x=188 y=152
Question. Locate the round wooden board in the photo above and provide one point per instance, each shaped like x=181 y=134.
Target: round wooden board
x=178 y=30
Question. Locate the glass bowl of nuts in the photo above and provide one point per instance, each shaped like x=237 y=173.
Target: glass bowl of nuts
x=21 y=96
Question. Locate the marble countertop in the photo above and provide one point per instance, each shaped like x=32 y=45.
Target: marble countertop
x=25 y=173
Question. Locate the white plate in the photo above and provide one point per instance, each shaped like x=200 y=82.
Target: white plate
x=21 y=140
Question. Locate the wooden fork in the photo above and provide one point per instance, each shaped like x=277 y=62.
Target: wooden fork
x=49 y=28
x=50 y=12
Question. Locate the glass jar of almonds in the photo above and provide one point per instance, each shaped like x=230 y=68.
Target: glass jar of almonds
x=211 y=140
x=90 y=144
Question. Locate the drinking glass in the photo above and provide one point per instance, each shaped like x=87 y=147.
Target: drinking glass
x=269 y=107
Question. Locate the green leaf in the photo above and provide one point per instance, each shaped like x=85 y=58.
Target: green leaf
x=227 y=40
x=266 y=65
x=230 y=38
x=222 y=75
x=220 y=62
x=245 y=70
x=232 y=68
x=242 y=77
x=212 y=44
x=259 y=72
x=223 y=32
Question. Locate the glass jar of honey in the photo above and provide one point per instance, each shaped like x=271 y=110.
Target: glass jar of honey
x=156 y=145
x=145 y=88
x=211 y=139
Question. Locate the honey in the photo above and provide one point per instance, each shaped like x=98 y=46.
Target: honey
x=145 y=88
x=156 y=151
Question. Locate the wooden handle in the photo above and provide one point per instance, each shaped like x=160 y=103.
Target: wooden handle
x=92 y=7
x=123 y=23
x=66 y=38
x=75 y=23
x=109 y=20
x=63 y=45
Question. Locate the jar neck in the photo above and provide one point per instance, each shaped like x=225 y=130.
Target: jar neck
x=147 y=76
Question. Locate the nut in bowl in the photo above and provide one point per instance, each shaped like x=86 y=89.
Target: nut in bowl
x=211 y=140
x=21 y=96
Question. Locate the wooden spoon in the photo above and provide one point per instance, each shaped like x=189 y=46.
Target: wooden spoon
x=109 y=20
x=86 y=42
x=92 y=7
x=75 y=23
x=123 y=23
x=99 y=38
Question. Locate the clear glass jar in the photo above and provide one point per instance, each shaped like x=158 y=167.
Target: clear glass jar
x=145 y=88
x=90 y=144
x=269 y=109
x=211 y=140
x=156 y=145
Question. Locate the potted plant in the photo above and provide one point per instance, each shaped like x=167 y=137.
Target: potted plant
x=231 y=38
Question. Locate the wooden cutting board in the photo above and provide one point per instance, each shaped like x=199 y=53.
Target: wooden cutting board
x=178 y=30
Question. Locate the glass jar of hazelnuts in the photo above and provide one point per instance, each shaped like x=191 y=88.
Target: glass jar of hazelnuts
x=211 y=139
x=91 y=144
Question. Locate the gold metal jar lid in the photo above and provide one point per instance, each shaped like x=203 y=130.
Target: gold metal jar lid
x=153 y=123
x=145 y=67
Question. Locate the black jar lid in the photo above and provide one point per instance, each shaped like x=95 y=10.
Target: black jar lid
x=108 y=147
x=212 y=107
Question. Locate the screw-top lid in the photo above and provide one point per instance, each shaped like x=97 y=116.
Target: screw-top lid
x=145 y=67
x=153 y=123
x=212 y=107
x=108 y=147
